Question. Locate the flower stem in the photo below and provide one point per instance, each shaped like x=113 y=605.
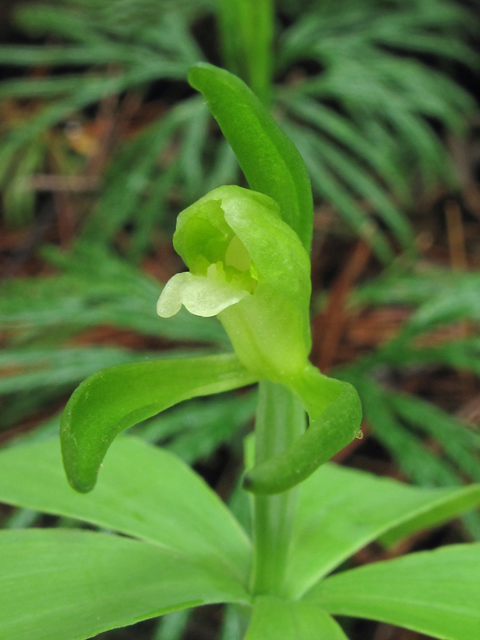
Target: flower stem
x=246 y=30
x=280 y=421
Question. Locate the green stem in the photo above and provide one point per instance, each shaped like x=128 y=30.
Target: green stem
x=247 y=29
x=280 y=421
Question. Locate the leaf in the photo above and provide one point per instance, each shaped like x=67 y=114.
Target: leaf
x=152 y=212
x=341 y=510
x=234 y=623
x=434 y=592
x=71 y=585
x=269 y=160
x=246 y=30
x=196 y=416
x=113 y=399
x=225 y=169
x=58 y=55
x=192 y=150
x=274 y=618
x=415 y=287
x=44 y=19
x=41 y=87
x=131 y=172
x=18 y=197
x=143 y=491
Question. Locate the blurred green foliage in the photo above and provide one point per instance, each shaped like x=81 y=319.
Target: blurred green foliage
x=348 y=86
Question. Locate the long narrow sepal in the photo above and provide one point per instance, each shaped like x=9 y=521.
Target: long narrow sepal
x=116 y=398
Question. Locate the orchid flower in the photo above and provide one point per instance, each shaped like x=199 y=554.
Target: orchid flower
x=248 y=263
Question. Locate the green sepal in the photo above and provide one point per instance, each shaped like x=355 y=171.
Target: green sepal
x=116 y=398
x=268 y=158
x=335 y=414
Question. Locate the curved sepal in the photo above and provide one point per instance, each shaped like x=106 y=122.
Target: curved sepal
x=116 y=398
x=335 y=414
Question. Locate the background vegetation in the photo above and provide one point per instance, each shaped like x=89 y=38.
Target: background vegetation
x=103 y=143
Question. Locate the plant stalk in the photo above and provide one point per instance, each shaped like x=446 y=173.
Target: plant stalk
x=247 y=29
x=280 y=421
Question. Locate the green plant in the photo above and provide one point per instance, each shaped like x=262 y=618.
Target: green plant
x=349 y=101
x=189 y=549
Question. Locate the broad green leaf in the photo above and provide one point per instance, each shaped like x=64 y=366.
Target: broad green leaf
x=274 y=618
x=143 y=491
x=71 y=585
x=434 y=592
x=341 y=510
x=116 y=398
x=269 y=160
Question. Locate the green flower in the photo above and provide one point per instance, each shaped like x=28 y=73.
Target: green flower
x=248 y=267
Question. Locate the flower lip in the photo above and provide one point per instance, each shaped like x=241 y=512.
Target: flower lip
x=210 y=287
x=201 y=295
